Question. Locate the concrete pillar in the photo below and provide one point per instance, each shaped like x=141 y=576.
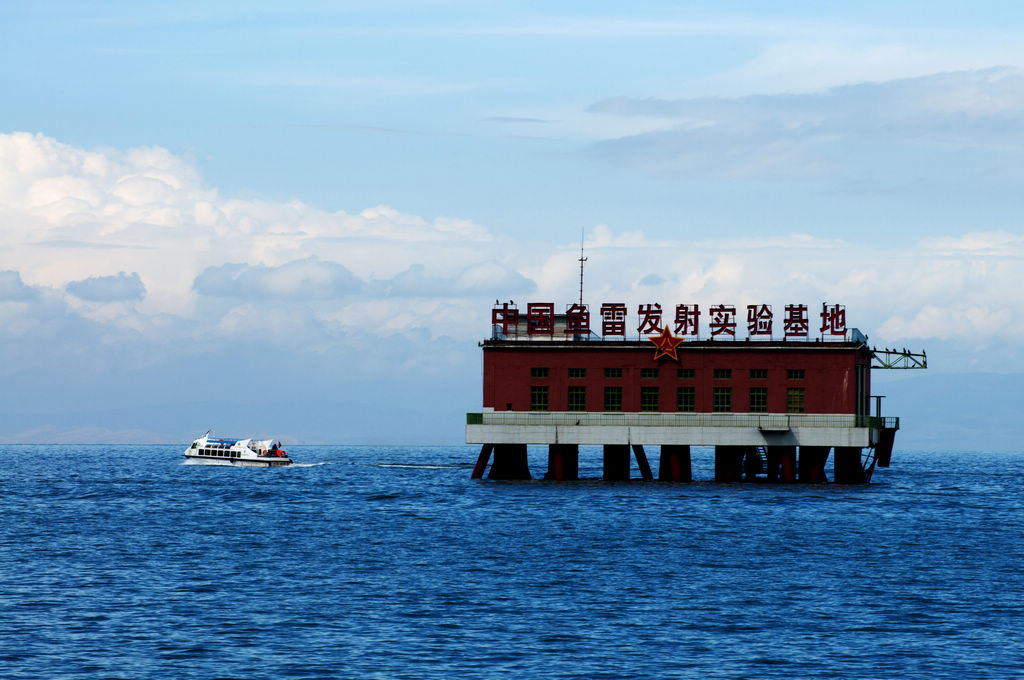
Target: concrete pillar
x=675 y=463
x=616 y=462
x=729 y=463
x=481 y=461
x=883 y=449
x=811 y=465
x=848 y=468
x=782 y=464
x=751 y=463
x=510 y=462
x=563 y=462
x=641 y=462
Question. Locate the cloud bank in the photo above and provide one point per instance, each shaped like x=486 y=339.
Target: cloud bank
x=85 y=231
x=803 y=135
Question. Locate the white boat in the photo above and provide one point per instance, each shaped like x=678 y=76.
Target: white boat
x=209 y=450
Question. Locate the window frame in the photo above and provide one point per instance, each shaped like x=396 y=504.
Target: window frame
x=612 y=391
x=650 y=399
x=535 y=392
x=762 y=406
x=690 y=391
x=796 y=400
x=577 y=391
x=721 y=400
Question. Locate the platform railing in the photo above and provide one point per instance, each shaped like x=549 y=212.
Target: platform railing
x=762 y=421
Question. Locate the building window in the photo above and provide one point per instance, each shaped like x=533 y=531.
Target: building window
x=758 y=399
x=723 y=373
x=538 y=397
x=648 y=398
x=685 y=373
x=539 y=372
x=613 y=372
x=796 y=400
x=648 y=373
x=795 y=374
x=723 y=400
x=577 y=373
x=577 y=398
x=612 y=398
x=759 y=374
x=686 y=399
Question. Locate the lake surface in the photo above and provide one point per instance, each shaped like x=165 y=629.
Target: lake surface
x=389 y=562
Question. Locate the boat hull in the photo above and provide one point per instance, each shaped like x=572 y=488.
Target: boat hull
x=262 y=461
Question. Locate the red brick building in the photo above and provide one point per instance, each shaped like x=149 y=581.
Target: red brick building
x=757 y=401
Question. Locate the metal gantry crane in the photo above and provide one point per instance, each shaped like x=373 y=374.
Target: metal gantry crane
x=898 y=358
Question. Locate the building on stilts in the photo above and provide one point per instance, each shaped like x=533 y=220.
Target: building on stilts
x=775 y=404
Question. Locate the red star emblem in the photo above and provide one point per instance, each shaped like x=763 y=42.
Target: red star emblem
x=666 y=344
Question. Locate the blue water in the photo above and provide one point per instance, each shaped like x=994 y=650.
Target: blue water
x=120 y=562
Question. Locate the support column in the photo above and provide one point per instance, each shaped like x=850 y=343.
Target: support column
x=510 y=462
x=729 y=463
x=563 y=462
x=751 y=463
x=616 y=462
x=848 y=468
x=641 y=462
x=675 y=463
x=782 y=464
x=812 y=464
x=481 y=461
x=883 y=449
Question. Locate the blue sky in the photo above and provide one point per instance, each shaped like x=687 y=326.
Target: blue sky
x=323 y=199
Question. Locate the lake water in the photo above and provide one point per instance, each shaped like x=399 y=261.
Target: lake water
x=389 y=562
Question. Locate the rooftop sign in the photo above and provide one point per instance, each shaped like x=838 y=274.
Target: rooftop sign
x=540 y=320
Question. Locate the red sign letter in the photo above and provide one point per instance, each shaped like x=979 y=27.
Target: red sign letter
x=795 y=323
x=540 y=317
x=577 y=319
x=687 y=320
x=613 y=318
x=723 y=320
x=505 y=316
x=650 y=319
x=759 y=320
x=833 y=319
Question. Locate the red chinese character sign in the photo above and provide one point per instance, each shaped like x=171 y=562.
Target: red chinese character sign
x=795 y=324
x=759 y=320
x=613 y=319
x=650 y=319
x=577 y=319
x=723 y=320
x=540 y=318
x=687 y=319
x=833 y=319
x=505 y=316
x=666 y=344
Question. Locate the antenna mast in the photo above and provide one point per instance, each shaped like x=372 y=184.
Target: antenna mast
x=582 y=260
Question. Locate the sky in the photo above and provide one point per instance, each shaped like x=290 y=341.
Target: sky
x=292 y=219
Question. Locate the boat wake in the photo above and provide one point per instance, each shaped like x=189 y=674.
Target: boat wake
x=423 y=466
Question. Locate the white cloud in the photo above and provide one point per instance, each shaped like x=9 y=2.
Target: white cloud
x=13 y=289
x=812 y=134
x=204 y=268
x=308 y=279
x=121 y=287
